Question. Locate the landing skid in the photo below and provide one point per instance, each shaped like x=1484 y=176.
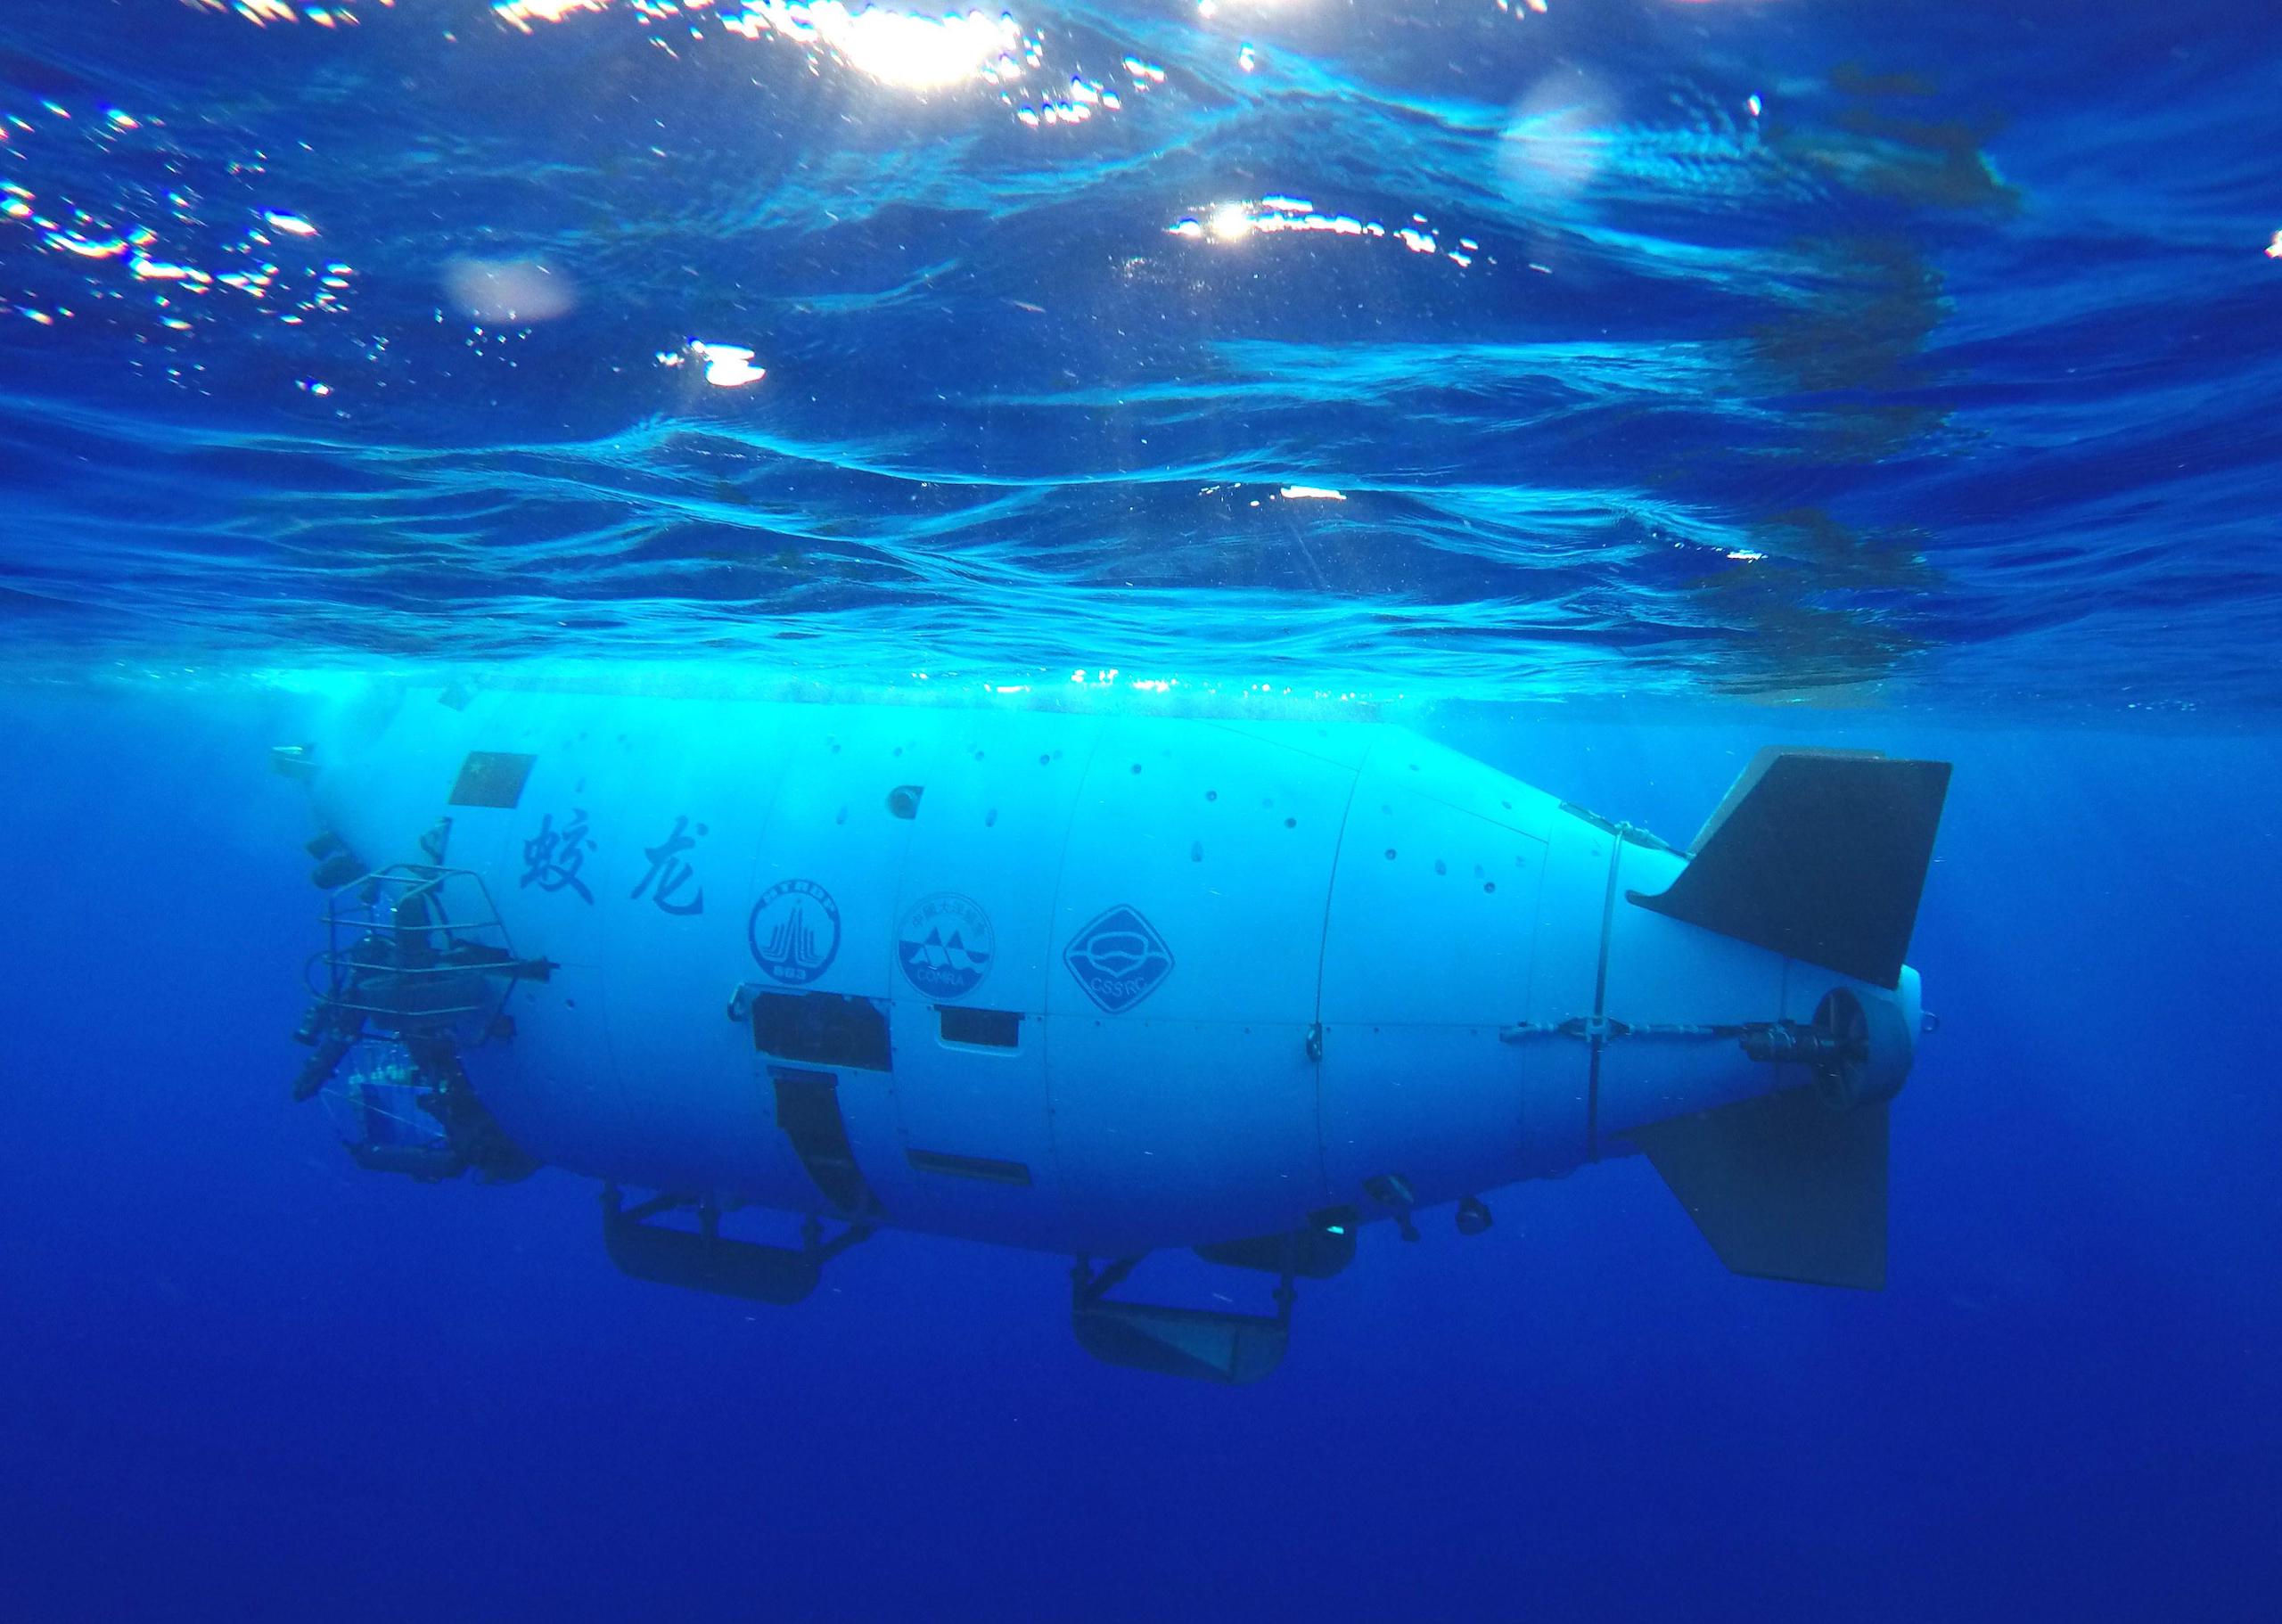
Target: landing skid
x=1201 y=1344
x=704 y=1259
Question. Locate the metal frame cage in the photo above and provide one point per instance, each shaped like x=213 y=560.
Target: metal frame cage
x=415 y=950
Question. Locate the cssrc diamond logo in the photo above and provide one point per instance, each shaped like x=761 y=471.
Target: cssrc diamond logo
x=1119 y=959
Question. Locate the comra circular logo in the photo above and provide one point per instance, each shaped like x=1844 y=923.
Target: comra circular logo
x=946 y=945
x=794 y=930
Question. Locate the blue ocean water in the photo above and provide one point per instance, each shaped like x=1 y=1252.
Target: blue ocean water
x=1605 y=388
x=1732 y=346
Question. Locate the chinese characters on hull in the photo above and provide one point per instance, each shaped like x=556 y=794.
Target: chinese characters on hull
x=552 y=858
x=670 y=873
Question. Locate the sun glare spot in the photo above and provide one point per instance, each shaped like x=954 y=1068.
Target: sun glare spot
x=727 y=365
x=1557 y=140
x=512 y=292
x=1276 y=214
x=898 y=48
x=70 y=242
x=161 y=270
x=522 y=14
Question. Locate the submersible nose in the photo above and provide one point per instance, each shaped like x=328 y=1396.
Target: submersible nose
x=1474 y=1214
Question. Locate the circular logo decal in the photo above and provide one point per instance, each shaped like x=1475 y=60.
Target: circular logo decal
x=946 y=945
x=1119 y=958
x=794 y=930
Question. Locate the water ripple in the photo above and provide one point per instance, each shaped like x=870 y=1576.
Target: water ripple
x=1612 y=348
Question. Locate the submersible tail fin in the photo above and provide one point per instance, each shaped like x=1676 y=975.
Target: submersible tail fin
x=1817 y=854
x=1784 y=1187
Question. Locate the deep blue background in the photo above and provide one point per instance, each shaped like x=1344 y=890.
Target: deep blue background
x=243 y=1380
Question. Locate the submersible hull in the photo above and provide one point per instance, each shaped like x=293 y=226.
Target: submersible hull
x=1103 y=985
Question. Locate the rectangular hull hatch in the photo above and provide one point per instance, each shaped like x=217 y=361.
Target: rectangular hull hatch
x=824 y=1028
